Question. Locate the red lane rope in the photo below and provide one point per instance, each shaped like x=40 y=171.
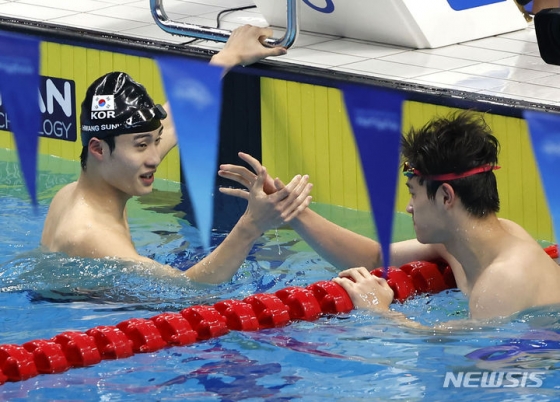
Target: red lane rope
x=73 y=349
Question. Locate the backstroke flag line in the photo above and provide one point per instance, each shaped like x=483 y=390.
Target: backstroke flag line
x=194 y=91
x=376 y=116
x=544 y=129
x=19 y=80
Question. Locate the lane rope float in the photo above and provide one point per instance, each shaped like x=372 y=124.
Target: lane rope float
x=74 y=349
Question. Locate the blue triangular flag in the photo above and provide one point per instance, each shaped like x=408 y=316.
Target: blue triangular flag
x=544 y=129
x=19 y=83
x=375 y=115
x=194 y=91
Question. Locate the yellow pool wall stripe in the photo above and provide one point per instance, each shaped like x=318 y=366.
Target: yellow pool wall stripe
x=305 y=129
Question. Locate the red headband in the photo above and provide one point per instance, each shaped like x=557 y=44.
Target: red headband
x=409 y=171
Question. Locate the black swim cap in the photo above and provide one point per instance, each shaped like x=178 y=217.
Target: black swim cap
x=115 y=104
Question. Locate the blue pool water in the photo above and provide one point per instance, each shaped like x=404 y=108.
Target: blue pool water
x=351 y=357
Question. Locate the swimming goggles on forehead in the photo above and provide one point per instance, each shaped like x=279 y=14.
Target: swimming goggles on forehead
x=410 y=172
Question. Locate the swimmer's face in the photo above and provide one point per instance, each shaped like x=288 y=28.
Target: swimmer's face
x=131 y=166
x=426 y=216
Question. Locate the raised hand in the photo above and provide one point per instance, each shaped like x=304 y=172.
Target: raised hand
x=246 y=178
x=246 y=46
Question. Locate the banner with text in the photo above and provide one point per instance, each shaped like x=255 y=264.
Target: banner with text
x=57 y=105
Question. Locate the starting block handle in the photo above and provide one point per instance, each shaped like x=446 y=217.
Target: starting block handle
x=222 y=35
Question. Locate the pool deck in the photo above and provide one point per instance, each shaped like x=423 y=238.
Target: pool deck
x=506 y=68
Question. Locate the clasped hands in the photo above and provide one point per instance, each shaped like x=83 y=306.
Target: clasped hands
x=270 y=202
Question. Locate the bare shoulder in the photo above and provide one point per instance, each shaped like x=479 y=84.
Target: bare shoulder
x=60 y=198
x=515 y=229
x=57 y=217
x=74 y=227
x=523 y=276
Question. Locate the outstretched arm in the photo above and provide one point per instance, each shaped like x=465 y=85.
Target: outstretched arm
x=341 y=247
x=264 y=212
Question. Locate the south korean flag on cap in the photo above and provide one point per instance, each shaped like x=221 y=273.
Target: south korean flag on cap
x=103 y=102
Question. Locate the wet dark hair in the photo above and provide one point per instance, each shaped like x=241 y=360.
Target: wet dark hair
x=455 y=144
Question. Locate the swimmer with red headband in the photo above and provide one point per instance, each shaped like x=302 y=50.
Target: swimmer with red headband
x=450 y=164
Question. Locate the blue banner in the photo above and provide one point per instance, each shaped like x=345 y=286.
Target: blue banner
x=57 y=104
x=375 y=115
x=194 y=91
x=459 y=5
x=328 y=8
x=19 y=80
x=545 y=137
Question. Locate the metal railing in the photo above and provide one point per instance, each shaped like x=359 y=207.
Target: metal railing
x=222 y=35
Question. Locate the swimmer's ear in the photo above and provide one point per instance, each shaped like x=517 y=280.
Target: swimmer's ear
x=448 y=194
x=95 y=148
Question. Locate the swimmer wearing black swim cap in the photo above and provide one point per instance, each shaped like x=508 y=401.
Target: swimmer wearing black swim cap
x=88 y=217
x=115 y=104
